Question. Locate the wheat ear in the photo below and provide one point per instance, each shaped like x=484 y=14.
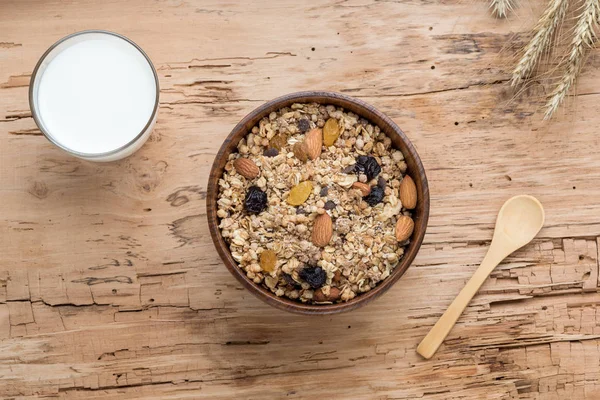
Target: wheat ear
x=583 y=39
x=543 y=33
x=500 y=8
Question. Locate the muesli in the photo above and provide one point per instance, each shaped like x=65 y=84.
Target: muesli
x=316 y=204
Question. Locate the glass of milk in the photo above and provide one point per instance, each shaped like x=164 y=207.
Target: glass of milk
x=94 y=94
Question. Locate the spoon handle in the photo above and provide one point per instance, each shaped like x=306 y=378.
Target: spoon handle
x=440 y=330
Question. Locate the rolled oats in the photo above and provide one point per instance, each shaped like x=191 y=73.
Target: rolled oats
x=363 y=249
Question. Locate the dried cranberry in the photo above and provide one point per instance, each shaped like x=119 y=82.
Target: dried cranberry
x=314 y=276
x=303 y=125
x=367 y=165
x=375 y=196
x=255 y=201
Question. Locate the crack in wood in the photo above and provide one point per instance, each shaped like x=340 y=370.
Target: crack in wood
x=9 y=45
x=26 y=132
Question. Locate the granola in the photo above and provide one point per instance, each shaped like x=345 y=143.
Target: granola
x=275 y=222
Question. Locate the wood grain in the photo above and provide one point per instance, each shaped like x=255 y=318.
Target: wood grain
x=110 y=286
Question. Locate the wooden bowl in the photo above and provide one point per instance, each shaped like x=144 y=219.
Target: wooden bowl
x=399 y=140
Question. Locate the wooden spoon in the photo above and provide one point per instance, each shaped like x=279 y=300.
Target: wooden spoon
x=519 y=220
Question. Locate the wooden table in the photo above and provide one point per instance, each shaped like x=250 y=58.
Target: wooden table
x=109 y=283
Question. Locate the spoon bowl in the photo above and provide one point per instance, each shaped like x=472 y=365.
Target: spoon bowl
x=519 y=221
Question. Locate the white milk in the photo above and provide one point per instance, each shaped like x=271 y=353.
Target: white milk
x=96 y=94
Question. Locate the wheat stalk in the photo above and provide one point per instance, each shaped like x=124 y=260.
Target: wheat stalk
x=500 y=8
x=544 y=32
x=583 y=39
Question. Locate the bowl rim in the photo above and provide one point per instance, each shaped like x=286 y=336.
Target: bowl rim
x=229 y=146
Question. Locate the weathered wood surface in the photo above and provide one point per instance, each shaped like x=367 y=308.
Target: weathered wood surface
x=109 y=283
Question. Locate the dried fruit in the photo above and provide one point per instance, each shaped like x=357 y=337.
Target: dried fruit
x=246 y=167
x=349 y=169
x=367 y=165
x=314 y=142
x=363 y=187
x=271 y=152
x=278 y=141
x=329 y=205
x=324 y=192
x=255 y=201
x=331 y=131
x=289 y=280
x=322 y=230
x=375 y=196
x=408 y=193
x=268 y=259
x=300 y=193
x=381 y=182
x=404 y=228
x=337 y=276
x=301 y=151
x=334 y=294
x=314 y=276
x=303 y=125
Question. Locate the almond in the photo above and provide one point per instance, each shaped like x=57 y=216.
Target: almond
x=334 y=294
x=301 y=151
x=408 y=193
x=322 y=230
x=314 y=142
x=363 y=187
x=404 y=228
x=246 y=167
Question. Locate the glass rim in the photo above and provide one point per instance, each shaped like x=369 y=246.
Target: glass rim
x=48 y=135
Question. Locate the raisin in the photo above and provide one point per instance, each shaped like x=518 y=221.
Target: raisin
x=289 y=280
x=270 y=152
x=303 y=125
x=300 y=210
x=314 y=276
x=300 y=150
x=359 y=167
x=299 y=193
x=324 y=191
x=329 y=205
x=381 y=183
x=367 y=165
x=268 y=259
x=278 y=141
x=349 y=169
x=375 y=196
x=331 y=131
x=255 y=201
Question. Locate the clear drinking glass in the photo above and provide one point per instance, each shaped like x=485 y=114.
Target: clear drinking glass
x=110 y=99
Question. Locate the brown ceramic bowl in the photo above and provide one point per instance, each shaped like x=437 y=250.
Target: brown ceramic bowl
x=399 y=140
